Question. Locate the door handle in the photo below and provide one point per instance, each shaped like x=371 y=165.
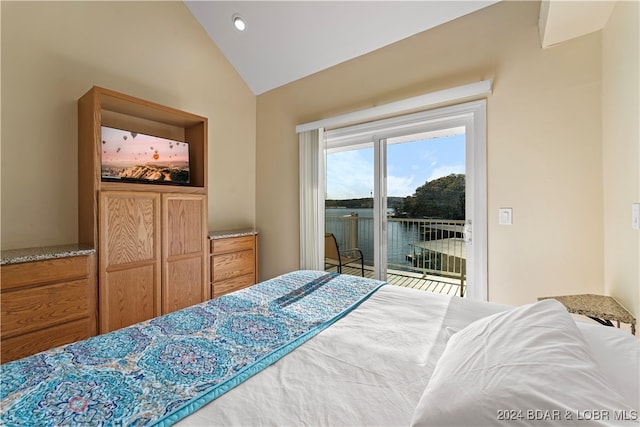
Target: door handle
x=468 y=231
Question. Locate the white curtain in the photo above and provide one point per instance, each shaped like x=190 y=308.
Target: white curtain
x=312 y=199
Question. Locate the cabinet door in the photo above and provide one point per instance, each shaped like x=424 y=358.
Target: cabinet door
x=184 y=251
x=129 y=258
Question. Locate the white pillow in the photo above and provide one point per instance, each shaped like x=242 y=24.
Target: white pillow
x=617 y=352
x=526 y=366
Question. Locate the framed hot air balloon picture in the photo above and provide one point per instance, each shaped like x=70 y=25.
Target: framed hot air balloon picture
x=136 y=157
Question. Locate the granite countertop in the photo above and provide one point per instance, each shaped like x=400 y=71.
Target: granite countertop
x=15 y=256
x=600 y=306
x=224 y=234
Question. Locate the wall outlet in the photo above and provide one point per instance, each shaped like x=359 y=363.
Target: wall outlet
x=635 y=216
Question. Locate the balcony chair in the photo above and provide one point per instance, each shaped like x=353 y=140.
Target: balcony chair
x=334 y=256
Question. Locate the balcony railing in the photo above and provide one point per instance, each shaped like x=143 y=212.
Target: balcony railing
x=427 y=246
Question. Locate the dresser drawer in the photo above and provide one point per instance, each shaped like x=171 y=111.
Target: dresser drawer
x=36 y=272
x=230 y=285
x=227 y=266
x=43 y=306
x=234 y=261
x=34 y=342
x=232 y=244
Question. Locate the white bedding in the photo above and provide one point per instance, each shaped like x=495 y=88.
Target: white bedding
x=526 y=366
x=372 y=367
x=618 y=355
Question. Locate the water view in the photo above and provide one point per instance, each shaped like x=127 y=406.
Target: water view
x=425 y=187
x=403 y=235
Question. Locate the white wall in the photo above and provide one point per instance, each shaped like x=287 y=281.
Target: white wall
x=621 y=153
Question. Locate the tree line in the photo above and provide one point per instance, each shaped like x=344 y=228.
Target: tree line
x=442 y=198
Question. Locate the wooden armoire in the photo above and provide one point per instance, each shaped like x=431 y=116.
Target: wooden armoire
x=150 y=236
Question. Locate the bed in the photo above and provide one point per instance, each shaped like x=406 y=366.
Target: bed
x=316 y=348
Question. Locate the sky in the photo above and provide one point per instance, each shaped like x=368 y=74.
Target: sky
x=124 y=149
x=409 y=165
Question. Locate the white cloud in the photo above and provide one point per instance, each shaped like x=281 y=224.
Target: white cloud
x=349 y=175
x=445 y=170
x=400 y=185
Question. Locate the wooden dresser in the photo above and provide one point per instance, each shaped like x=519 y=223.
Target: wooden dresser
x=150 y=236
x=234 y=260
x=48 y=298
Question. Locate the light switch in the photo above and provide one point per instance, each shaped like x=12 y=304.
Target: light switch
x=506 y=216
x=635 y=216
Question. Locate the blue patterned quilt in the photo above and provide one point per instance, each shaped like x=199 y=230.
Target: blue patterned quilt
x=159 y=371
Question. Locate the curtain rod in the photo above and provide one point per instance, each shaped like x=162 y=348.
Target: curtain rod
x=420 y=101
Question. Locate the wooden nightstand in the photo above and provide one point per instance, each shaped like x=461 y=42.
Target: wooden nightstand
x=48 y=298
x=602 y=309
x=234 y=260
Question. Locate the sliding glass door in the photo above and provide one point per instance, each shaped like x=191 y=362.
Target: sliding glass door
x=407 y=195
x=349 y=209
x=426 y=189
x=422 y=176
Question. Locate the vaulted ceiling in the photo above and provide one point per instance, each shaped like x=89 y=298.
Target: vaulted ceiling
x=287 y=40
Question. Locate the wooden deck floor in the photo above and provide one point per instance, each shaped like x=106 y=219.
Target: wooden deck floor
x=436 y=284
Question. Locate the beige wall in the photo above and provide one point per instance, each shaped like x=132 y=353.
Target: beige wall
x=621 y=153
x=545 y=120
x=53 y=52
x=544 y=143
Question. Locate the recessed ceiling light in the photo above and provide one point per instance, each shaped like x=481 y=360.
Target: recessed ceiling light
x=238 y=22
